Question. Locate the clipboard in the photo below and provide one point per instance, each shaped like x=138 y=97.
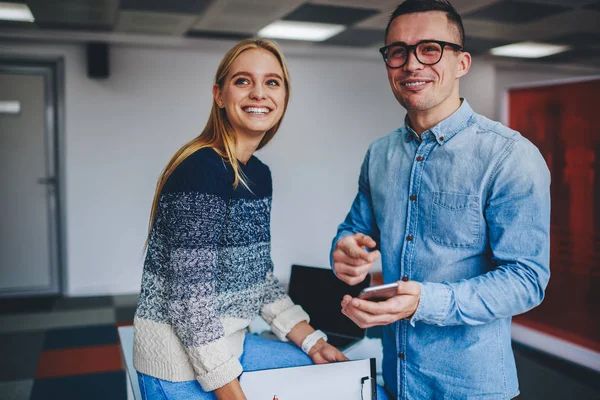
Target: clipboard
x=346 y=380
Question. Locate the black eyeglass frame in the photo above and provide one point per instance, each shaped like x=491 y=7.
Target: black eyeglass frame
x=413 y=48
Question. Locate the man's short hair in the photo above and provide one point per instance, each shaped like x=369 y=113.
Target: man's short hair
x=416 y=6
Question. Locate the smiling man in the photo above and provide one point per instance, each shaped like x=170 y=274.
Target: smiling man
x=458 y=207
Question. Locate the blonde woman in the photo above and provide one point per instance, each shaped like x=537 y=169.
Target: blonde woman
x=208 y=271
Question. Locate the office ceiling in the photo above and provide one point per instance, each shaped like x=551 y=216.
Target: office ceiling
x=488 y=23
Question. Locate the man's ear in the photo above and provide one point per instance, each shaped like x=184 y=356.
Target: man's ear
x=464 y=64
x=216 y=90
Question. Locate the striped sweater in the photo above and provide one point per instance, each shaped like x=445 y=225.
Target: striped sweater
x=208 y=273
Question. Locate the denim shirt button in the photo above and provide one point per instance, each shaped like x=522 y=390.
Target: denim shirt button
x=419 y=158
x=413 y=197
x=404 y=278
x=409 y=238
x=401 y=356
x=441 y=138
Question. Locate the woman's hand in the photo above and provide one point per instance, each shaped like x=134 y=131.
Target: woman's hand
x=231 y=391
x=323 y=353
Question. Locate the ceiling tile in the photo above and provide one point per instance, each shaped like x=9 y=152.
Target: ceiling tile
x=516 y=12
x=475 y=45
x=218 y=35
x=158 y=23
x=75 y=26
x=566 y=3
x=373 y=4
x=170 y=6
x=223 y=23
x=377 y=21
x=578 y=20
x=357 y=37
x=594 y=6
x=492 y=30
x=240 y=16
x=330 y=14
x=74 y=14
x=578 y=39
x=584 y=57
x=17 y=25
x=466 y=6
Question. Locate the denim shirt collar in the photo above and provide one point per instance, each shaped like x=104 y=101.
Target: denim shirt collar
x=445 y=129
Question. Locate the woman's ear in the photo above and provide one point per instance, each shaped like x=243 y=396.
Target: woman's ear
x=464 y=64
x=217 y=95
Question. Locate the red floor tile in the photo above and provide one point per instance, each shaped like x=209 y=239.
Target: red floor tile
x=77 y=361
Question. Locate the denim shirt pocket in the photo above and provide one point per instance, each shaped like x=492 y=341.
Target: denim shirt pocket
x=455 y=219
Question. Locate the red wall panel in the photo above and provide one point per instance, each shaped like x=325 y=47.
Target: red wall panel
x=562 y=121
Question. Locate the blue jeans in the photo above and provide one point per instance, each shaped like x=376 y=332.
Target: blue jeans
x=259 y=353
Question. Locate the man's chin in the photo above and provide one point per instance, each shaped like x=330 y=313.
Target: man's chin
x=413 y=105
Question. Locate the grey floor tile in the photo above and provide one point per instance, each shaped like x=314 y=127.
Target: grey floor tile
x=27 y=304
x=16 y=390
x=538 y=381
x=79 y=303
x=56 y=319
x=126 y=300
x=20 y=355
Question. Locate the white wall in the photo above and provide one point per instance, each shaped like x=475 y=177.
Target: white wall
x=120 y=133
x=478 y=87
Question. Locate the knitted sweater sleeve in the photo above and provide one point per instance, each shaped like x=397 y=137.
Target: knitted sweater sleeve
x=194 y=203
x=278 y=310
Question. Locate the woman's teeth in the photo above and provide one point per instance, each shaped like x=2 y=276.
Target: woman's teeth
x=256 y=110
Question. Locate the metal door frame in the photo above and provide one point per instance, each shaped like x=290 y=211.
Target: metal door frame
x=53 y=71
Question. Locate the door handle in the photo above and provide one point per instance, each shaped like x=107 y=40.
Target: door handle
x=50 y=180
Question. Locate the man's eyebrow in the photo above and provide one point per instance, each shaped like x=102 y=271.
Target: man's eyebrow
x=395 y=43
x=269 y=75
x=406 y=44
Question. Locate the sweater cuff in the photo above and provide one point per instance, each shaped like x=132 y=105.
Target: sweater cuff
x=433 y=305
x=284 y=321
x=221 y=375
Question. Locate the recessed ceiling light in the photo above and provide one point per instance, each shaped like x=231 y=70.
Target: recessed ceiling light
x=294 y=30
x=528 y=50
x=15 y=12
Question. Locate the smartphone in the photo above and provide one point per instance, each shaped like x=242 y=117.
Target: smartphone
x=380 y=292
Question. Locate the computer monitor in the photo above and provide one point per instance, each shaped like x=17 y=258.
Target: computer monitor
x=320 y=293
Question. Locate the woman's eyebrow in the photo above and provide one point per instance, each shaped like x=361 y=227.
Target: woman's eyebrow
x=268 y=75
x=273 y=75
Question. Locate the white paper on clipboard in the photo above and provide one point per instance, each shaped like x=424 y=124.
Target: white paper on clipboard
x=347 y=380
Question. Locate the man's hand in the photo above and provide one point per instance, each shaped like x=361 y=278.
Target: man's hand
x=367 y=313
x=323 y=353
x=351 y=261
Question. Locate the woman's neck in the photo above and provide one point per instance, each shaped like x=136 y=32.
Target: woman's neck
x=246 y=146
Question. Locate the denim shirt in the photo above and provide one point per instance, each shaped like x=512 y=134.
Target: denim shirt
x=464 y=211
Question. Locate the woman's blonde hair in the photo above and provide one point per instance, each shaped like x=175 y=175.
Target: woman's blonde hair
x=218 y=132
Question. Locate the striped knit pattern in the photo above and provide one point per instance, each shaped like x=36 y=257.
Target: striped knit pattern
x=208 y=273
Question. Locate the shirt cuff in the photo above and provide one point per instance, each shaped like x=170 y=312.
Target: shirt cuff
x=433 y=305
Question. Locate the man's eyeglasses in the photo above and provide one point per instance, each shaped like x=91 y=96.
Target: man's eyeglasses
x=428 y=52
